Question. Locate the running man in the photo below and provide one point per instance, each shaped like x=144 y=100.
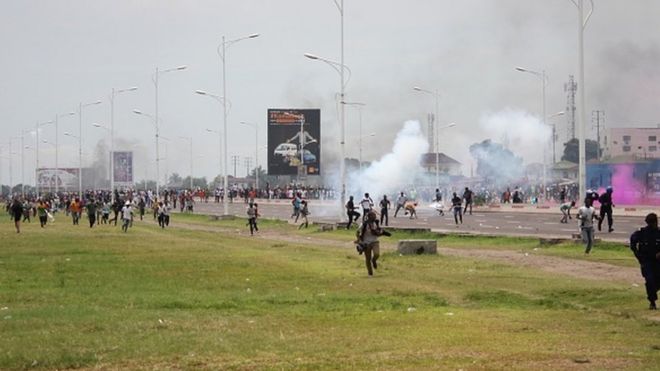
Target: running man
x=606 y=206
x=384 y=209
x=126 y=215
x=400 y=203
x=467 y=196
x=457 y=205
x=350 y=212
x=367 y=204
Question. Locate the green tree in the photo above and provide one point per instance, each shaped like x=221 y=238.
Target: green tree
x=571 y=150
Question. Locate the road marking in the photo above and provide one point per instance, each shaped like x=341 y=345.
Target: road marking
x=550 y=223
x=569 y=230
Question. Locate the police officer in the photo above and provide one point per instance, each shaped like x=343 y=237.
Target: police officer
x=606 y=206
x=645 y=244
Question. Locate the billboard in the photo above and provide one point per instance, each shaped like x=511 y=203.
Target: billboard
x=123 y=170
x=65 y=178
x=294 y=141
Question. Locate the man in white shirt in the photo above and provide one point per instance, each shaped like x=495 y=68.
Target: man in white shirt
x=586 y=215
x=400 y=203
x=126 y=214
x=367 y=204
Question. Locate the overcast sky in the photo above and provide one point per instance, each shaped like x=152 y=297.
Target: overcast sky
x=57 y=54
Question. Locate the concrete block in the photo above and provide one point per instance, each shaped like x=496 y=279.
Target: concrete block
x=411 y=247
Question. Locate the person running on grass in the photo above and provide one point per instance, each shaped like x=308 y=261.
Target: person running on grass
x=126 y=216
x=252 y=214
x=565 y=209
x=91 y=212
x=350 y=212
x=16 y=211
x=42 y=213
x=645 y=244
x=368 y=241
x=304 y=212
x=586 y=215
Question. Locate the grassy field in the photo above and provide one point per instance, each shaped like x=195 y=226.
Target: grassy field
x=71 y=297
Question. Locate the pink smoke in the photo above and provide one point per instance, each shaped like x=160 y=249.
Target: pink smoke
x=628 y=190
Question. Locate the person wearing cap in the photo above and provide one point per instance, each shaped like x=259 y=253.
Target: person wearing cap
x=645 y=244
x=606 y=206
x=126 y=215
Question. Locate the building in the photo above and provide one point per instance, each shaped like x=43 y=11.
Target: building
x=564 y=170
x=633 y=143
x=446 y=164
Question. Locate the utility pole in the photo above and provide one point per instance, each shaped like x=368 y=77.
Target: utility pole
x=234 y=160
x=597 y=117
x=430 y=135
x=248 y=164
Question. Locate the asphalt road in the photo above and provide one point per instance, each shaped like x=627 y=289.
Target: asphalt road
x=506 y=223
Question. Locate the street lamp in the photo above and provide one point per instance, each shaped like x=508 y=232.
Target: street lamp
x=360 y=139
x=154 y=122
x=112 y=135
x=80 y=110
x=36 y=150
x=50 y=180
x=155 y=79
x=359 y=106
x=544 y=82
x=256 y=153
x=339 y=67
x=554 y=134
x=66 y=133
x=57 y=164
x=582 y=24
x=222 y=52
x=190 y=139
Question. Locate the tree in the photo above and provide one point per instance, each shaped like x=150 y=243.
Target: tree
x=571 y=150
x=175 y=180
x=496 y=163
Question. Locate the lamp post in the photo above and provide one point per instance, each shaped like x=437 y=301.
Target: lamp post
x=156 y=127
x=57 y=164
x=50 y=181
x=554 y=135
x=190 y=140
x=359 y=106
x=360 y=139
x=256 y=153
x=582 y=24
x=112 y=134
x=223 y=158
x=80 y=111
x=339 y=67
x=222 y=52
x=36 y=151
x=155 y=79
x=544 y=82
x=66 y=133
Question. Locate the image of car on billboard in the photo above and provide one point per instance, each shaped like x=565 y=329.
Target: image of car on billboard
x=292 y=132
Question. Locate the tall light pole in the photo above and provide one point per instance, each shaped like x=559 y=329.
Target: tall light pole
x=582 y=24
x=154 y=122
x=112 y=135
x=436 y=95
x=57 y=164
x=155 y=79
x=554 y=135
x=360 y=139
x=36 y=151
x=359 y=106
x=50 y=188
x=256 y=153
x=222 y=52
x=80 y=112
x=544 y=82
x=190 y=140
x=339 y=67
x=66 y=133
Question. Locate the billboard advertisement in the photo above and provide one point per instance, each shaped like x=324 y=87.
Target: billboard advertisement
x=65 y=178
x=294 y=141
x=123 y=170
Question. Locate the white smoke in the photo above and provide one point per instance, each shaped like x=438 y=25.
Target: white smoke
x=394 y=170
x=522 y=133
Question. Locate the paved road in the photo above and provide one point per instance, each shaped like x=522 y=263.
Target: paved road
x=509 y=223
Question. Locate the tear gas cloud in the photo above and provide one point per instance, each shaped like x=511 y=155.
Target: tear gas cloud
x=394 y=170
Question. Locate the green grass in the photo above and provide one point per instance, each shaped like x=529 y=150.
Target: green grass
x=181 y=298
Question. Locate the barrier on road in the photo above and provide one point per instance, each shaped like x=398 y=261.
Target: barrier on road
x=411 y=247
